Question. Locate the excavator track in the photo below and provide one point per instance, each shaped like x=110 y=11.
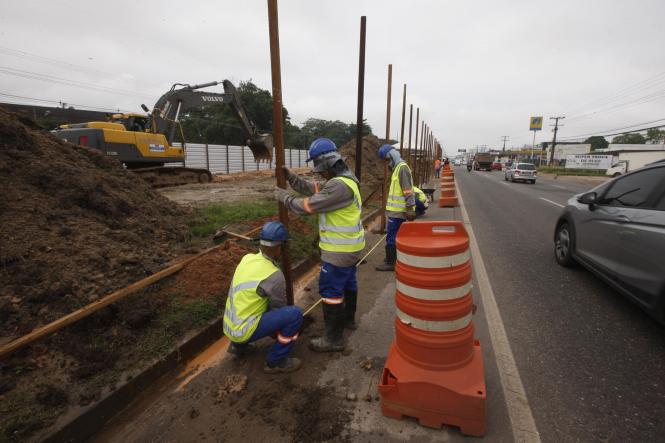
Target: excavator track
x=162 y=177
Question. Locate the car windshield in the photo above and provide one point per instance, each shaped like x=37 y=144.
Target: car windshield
x=526 y=166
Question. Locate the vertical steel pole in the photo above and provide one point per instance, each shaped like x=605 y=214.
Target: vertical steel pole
x=410 y=125
x=384 y=191
x=278 y=135
x=361 y=98
x=228 y=168
x=401 y=136
x=242 y=157
x=207 y=158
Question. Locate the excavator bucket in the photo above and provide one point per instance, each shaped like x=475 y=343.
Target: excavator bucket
x=261 y=147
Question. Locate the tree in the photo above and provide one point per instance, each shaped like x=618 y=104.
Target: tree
x=597 y=142
x=655 y=135
x=633 y=138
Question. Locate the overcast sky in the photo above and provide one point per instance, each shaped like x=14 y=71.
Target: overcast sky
x=477 y=69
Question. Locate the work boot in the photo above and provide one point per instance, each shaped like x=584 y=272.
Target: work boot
x=241 y=349
x=333 y=339
x=350 y=302
x=288 y=364
x=391 y=257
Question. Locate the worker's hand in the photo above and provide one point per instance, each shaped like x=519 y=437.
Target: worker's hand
x=281 y=194
x=410 y=215
x=287 y=172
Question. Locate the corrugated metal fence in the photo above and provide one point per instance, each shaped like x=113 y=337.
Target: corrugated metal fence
x=223 y=159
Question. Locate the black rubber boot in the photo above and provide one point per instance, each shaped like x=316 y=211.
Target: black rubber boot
x=350 y=302
x=333 y=339
x=391 y=258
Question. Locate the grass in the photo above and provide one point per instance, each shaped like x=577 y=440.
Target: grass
x=211 y=218
x=563 y=171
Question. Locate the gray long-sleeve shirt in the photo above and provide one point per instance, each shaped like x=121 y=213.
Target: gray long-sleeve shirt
x=274 y=287
x=406 y=183
x=321 y=198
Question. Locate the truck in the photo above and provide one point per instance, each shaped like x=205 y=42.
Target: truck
x=482 y=161
x=629 y=161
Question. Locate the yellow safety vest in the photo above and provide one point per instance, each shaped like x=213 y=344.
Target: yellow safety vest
x=244 y=306
x=396 y=201
x=341 y=230
x=420 y=195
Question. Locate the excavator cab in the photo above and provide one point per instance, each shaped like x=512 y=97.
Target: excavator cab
x=132 y=122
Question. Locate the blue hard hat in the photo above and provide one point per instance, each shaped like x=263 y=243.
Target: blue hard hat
x=274 y=231
x=320 y=146
x=383 y=150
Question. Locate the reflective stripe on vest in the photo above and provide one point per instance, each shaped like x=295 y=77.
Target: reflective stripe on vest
x=396 y=201
x=434 y=326
x=244 y=306
x=341 y=230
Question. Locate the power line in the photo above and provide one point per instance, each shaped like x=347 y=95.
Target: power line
x=63 y=81
x=638 y=101
x=615 y=129
x=630 y=132
x=60 y=102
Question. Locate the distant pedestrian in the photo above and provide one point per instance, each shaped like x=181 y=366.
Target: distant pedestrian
x=437 y=167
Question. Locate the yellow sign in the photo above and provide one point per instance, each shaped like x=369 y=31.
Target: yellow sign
x=536 y=124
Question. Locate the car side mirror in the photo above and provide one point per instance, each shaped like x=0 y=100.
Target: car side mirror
x=590 y=198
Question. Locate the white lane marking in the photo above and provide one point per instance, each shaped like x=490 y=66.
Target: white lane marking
x=521 y=418
x=554 y=203
x=560 y=187
x=505 y=183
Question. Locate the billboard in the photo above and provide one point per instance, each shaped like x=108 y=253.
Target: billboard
x=536 y=124
x=587 y=161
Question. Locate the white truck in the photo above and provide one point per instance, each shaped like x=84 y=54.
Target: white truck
x=629 y=161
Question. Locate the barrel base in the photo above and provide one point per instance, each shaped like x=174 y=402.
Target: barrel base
x=436 y=398
x=448 y=202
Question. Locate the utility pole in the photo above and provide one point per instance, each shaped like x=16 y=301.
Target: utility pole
x=556 y=129
x=505 y=138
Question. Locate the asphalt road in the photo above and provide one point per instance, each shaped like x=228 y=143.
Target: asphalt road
x=592 y=364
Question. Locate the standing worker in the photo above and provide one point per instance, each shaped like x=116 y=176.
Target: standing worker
x=437 y=167
x=400 y=204
x=341 y=237
x=256 y=304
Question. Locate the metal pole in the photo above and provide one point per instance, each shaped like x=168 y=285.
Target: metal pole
x=228 y=168
x=410 y=125
x=242 y=154
x=384 y=191
x=415 y=142
x=533 y=146
x=401 y=136
x=278 y=135
x=207 y=158
x=361 y=98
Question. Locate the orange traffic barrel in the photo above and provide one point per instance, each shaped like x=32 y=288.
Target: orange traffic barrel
x=434 y=371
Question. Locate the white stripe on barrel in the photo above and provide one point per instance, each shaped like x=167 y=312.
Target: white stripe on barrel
x=434 y=294
x=434 y=326
x=447 y=261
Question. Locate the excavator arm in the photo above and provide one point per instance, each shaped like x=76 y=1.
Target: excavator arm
x=181 y=98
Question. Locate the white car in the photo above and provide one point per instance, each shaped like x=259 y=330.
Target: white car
x=525 y=172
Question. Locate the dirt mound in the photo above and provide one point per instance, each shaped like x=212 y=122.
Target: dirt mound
x=372 y=165
x=75 y=226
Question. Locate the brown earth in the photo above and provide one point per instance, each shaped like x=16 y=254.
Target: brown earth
x=372 y=165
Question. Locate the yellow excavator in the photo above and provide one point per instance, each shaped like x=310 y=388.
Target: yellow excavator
x=144 y=143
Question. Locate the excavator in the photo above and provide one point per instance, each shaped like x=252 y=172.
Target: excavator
x=144 y=143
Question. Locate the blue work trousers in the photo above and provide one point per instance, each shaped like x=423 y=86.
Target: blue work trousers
x=285 y=323
x=392 y=227
x=335 y=280
x=420 y=208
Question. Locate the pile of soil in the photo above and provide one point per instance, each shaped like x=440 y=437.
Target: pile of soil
x=211 y=273
x=372 y=165
x=75 y=226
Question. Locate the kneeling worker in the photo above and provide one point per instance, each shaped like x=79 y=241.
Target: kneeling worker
x=422 y=203
x=256 y=304
x=341 y=237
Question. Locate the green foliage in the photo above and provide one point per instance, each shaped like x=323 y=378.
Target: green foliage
x=630 y=139
x=563 y=171
x=597 y=142
x=337 y=131
x=211 y=218
x=655 y=135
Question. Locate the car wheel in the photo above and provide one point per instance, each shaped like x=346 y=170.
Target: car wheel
x=563 y=245
x=533 y=182
x=512 y=179
x=616 y=174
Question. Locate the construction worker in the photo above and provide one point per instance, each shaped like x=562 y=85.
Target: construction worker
x=437 y=167
x=400 y=204
x=256 y=304
x=341 y=236
x=422 y=203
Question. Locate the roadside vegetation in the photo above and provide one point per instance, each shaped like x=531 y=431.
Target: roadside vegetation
x=579 y=172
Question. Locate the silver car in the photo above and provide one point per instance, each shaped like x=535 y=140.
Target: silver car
x=521 y=171
x=617 y=231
